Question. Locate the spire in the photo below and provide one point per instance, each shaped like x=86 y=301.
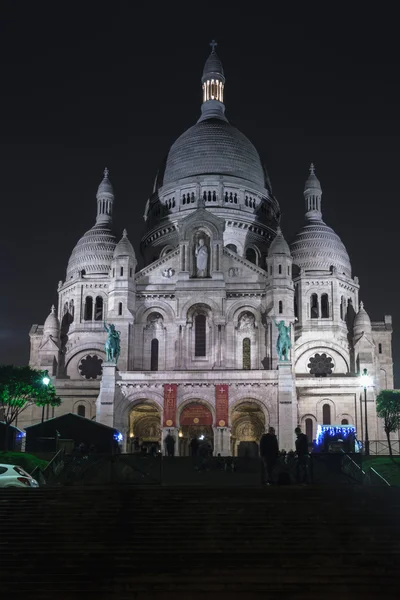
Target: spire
x=279 y=245
x=213 y=82
x=105 y=200
x=313 y=195
x=51 y=325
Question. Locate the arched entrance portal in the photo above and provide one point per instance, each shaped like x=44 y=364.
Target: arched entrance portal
x=195 y=422
x=248 y=425
x=144 y=428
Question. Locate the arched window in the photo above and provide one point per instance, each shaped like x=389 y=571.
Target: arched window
x=309 y=429
x=380 y=348
x=314 y=309
x=88 y=308
x=251 y=255
x=130 y=272
x=154 y=355
x=81 y=410
x=246 y=353
x=280 y=307
x=324 y=306
x=345 y=422
x=71 y=309
x=121 y=271
x=200 y=335
x=232 y=247
x=98 y=314
x=280 y=269
x=326 y=414
x=342 y=308
x=119 y=308
x=288 y=270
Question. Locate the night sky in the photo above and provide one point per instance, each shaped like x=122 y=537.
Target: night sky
x=91 y=84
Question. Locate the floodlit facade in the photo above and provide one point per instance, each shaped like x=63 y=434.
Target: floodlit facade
x=197 y=323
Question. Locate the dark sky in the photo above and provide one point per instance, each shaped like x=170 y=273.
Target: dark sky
x=93 y=84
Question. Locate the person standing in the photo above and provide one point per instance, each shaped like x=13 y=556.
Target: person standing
x=269 y=450
x=302 y=456
x=170 y=444
x=194 y=446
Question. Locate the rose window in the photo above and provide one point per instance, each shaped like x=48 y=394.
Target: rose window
x=321 y=365
x=90 y=367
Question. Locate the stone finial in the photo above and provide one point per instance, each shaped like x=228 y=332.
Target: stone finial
x=312 y=169
x=213 y=45
x=124 y=233
x=361 y=305
x=53 y=309
x=106 y=173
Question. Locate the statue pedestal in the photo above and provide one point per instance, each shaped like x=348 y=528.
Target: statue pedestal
x=222 y=441
x=105 y=402
x=287 y=401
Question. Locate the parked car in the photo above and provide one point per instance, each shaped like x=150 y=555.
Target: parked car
x=13 y=476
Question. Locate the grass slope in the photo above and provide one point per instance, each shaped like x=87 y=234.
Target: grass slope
x=27 y=461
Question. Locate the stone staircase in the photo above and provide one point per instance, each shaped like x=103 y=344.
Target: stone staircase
x=188 y=542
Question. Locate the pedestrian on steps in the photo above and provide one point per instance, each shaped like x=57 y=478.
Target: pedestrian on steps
x=170 y=444
x=302 y=457
x=269 y=450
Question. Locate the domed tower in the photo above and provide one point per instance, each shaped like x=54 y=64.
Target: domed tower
x=325 y=292
x=83 y=297
x=214 y=165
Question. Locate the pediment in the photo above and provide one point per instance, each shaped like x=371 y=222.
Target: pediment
x=164 y=270
x=237 y=269
x=201 y=218
x=49 y=345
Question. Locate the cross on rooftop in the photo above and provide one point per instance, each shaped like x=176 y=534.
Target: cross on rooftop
x=213 y=45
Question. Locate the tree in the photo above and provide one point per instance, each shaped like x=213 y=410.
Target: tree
x=388 y=409
x=21 y=387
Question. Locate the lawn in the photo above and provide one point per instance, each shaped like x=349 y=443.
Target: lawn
x=385 y=467
x=27 y=461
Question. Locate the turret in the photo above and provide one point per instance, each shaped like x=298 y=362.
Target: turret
x=105 y=201
x=213 y=82
x=121 y=297
x=313 y=196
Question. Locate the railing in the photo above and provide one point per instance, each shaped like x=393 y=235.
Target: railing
x=352 y=469
x=372 y=477
x=381 y=447
x=52 y=470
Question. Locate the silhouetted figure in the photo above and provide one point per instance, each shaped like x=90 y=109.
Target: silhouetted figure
x=302 y=456
x=170 y=445
x=194 y=446
x=269 y=451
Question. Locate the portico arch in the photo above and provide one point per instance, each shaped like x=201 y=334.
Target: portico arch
x=195 y=418
x=249 y=420
x=144 y=426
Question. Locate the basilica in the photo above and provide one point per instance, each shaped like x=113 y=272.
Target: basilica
x=199 y=323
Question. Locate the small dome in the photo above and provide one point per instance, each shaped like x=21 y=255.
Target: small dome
x=213 y=66
x=93 y=253
x=124 y=247
x=212 y=147
x=362 y=323
x=312 y=182
x=105 y=186
x=279 y=245
x=317 y=248
x=51 y=325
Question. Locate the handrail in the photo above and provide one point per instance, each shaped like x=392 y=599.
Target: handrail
x=379 y=475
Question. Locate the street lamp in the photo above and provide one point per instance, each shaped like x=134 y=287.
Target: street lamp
x=366 y=381
x=45 y=381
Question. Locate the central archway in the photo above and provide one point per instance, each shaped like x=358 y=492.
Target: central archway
x=248 y=425
x=144 y=428
x=195 y=423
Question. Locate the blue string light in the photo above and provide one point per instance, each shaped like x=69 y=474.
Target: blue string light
x=334 y=431
x=118 y=436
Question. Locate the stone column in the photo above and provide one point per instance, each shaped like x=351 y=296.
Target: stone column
x=287 y=403
x=222 y=441
x=105 y=402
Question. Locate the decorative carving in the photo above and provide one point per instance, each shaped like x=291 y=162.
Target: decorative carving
x=246 y=322
x=234 y=272
x=90 y=367
x=155 y=321
x=168 y=272
x=321 y=365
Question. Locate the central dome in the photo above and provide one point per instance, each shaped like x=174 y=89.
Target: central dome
x=212 y=147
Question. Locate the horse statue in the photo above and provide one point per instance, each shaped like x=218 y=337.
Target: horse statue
x=112 y=345
x=283 y=343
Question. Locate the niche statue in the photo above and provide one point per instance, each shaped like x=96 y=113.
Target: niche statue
x=201 y=252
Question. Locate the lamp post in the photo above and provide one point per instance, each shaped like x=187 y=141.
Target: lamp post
x=45 y=381
x=365 y=382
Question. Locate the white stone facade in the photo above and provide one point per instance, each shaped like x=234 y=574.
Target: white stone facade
x=199 y=317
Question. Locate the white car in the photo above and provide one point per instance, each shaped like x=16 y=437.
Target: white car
x=13 y=476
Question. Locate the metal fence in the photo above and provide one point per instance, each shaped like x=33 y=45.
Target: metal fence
x=381 y=447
